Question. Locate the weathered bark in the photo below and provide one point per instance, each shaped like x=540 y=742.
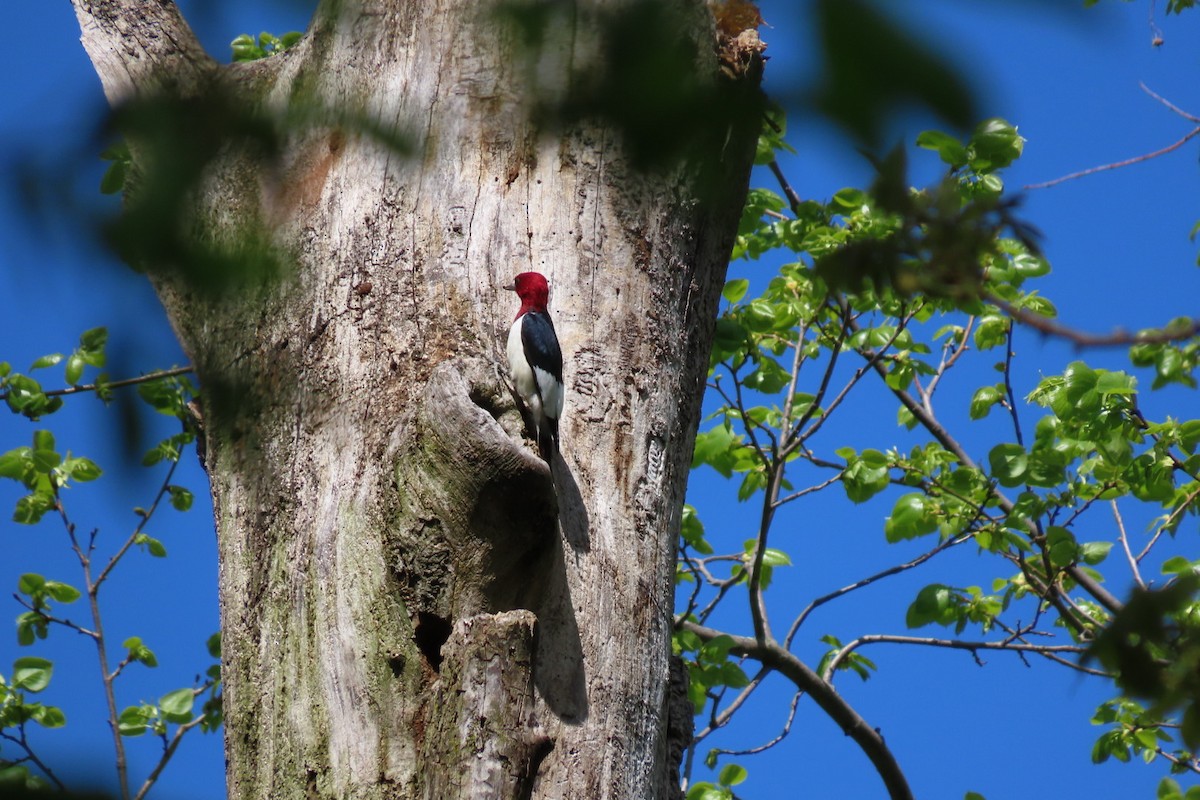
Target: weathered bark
x=378 y=510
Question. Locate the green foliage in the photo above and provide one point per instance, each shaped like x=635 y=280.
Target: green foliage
x=46 y=474
x=246 y=48
x=898 y=287
x=729 y=776
x=25 y=396
x=710 y=668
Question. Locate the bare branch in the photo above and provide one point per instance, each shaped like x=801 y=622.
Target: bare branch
x=869 y=740
x=951 y=353
x=1118 y=338
x=1182 y=507
x=1124 y=539
x=91 y=589
x=810 y=489
x=953 y=644
x=1117 y=164
x=722 y=719
x=1010 y=395
x=162 y=492
x=66 y=623
x=1168 y=103
x=1190 y=764
x=23 y=742
x=788 y=192
x=168 y=751
x=867 y=581
x=762 y=748
x=91 y=387
x=140 y=48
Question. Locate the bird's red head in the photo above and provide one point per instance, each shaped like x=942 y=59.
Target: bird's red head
x=533 y=290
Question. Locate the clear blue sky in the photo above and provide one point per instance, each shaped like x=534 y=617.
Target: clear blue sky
x=1068 y=77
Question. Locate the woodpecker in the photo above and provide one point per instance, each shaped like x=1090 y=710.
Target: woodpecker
x=535 y=359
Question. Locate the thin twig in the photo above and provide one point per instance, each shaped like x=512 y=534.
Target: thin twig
x=954 y=644
x=1118 y=338
x=168 y=751
x=809 y=490
x=869 y=740
x=1011 y=396
x=41 y=612
x=1187 y=501
x=91 y=589
x=762 y=748
x=722 y=719
x=91 y=387
x=1168 y=103
x=867 y=581
x=22 y=741
x=1124 y=539
x=793 y=198
x=1193 y=133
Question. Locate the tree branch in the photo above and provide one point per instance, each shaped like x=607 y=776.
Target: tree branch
x=1118 y=338
x=953 y=644
x=1117 y=164
x=868 y=739
x=140 y=48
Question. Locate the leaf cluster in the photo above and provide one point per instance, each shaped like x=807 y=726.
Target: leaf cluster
x=899 y=288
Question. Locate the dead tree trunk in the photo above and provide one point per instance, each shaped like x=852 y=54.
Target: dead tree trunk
x=413 y=603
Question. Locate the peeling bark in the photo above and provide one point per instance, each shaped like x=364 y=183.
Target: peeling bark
x=389 y=540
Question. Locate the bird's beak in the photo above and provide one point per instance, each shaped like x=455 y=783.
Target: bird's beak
x=512 y=287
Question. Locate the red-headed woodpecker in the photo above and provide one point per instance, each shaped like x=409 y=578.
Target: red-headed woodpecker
x=534 y=357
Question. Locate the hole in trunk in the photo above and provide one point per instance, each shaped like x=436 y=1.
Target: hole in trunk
x=431 y=633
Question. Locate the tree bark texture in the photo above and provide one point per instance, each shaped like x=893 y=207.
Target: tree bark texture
x=414 y=604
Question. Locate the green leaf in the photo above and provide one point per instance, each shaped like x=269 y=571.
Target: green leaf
x=32 y=507
x=46 y=361
x=1009 y=463
x=889 y=68
x=16 y=463
x=733 y=676
x=934 y=603
x=948 y=148
x=776 y=558
x=49 y=716
x=30 y=583
x=1061 y=545
x=152 y=545
x=991 y=331
x=912 y=516
x=735 y=289
x=62 y=592
x=82 y=469
x=74 y=368
x=715 y=448
x=177 y=705
x=983 y=400
x=759 y=316
x=1094 y=552
x=138 y=651
x=994 y=145
x=133 y=720
x=31 y=674
x=866 y=475
x=113 y=179
x=93 y=339
x=181 y=498
x=732 y=775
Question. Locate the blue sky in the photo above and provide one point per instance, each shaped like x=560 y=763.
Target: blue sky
x=1068 y=77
